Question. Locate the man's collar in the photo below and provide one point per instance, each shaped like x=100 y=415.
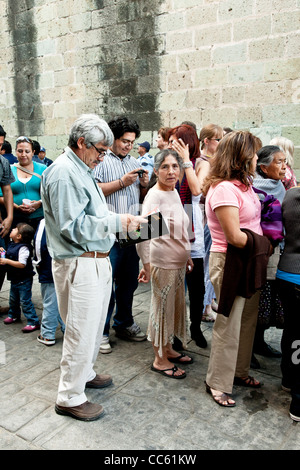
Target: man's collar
x=78 y=162
x=111 y=153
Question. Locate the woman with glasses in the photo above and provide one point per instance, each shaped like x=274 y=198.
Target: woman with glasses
x=287 y=146
x=210 y=136
x=26 y=187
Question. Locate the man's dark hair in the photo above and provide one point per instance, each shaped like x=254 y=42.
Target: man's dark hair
x=6 y=147
x=122 y=124
x=2 y=132
x=36 y=147
x=26 y=231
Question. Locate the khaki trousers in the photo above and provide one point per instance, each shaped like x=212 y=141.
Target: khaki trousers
x=232 y=337
x=83 y=288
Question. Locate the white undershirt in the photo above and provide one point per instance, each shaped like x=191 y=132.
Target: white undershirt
x=24 y=180
x=23 y=255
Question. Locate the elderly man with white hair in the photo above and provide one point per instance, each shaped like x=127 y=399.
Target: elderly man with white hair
x=80 y=233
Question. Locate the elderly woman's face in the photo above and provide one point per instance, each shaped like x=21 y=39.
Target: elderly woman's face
x=168 y=173
x=24 y=153
x=276 y=170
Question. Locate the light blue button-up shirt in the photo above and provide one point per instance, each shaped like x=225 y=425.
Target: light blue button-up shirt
x=77 y=218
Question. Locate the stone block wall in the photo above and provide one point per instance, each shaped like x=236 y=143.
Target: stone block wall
x=235 y=63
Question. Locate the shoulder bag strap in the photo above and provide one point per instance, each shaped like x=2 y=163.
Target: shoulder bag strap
x=27 y=171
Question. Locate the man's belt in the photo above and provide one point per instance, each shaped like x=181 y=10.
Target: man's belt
x=94 y=254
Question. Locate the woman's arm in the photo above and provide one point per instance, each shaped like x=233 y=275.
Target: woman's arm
x=202 y=169
x=194 y=178
x=229 y=219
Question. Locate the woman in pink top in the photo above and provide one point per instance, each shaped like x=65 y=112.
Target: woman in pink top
x=166 y=260
x=231 y=205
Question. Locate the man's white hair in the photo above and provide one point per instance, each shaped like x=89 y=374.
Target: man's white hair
x=93 y=129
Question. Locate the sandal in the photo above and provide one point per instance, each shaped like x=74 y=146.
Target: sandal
x=171 y=376
x=222 y=400
x=247 y=382
x=209 y=316
x=177 y=359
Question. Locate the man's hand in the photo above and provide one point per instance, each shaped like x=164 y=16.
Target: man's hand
x=144 y=180
x=130 y=223
x=129 y=178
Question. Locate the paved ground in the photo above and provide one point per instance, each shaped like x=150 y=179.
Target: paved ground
x=143 y=410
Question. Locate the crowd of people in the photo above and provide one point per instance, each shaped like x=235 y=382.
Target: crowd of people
x=64 y=220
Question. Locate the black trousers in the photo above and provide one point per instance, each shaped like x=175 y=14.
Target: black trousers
x=290 y=342
x=196 y=291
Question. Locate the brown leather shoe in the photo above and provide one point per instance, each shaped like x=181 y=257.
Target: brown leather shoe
x=85 y=412
x=100 y=381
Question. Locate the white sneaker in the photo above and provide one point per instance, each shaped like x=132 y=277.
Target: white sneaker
x=131 y=333
x=294 y=417
x=105 y=347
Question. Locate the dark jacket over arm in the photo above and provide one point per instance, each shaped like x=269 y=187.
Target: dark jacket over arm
x=245 y=270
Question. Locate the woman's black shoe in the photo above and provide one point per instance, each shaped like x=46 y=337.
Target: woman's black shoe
x=199 y=339
x=266 y=350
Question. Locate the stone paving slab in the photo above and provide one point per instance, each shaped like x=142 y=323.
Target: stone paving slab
x=143 y=410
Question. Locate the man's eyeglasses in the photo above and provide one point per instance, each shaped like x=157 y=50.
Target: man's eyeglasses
x=127 y=142
x=100 y=151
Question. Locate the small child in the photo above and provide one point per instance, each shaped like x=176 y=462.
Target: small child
x=42 y=262
x=20 y=273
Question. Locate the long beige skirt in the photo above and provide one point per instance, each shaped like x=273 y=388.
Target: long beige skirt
x=168 y=307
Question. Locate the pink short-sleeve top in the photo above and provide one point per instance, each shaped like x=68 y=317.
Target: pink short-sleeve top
x=236 y=194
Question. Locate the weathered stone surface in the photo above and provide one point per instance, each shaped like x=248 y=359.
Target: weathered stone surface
x=161 y=60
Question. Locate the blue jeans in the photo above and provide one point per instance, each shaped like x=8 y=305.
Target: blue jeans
x=50 y=316
x=3 y=267
x=125 y=270
x=20 y=297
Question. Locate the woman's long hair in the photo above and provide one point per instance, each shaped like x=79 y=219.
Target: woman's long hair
x=189 y=136
x=232 y=159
